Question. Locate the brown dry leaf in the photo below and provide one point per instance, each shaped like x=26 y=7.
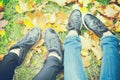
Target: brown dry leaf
x=28 y=57
x=1 y=5
x=1 y=15
x=40 y=20
x=3 y=23
x=42 y=6
x=86 y=61
x=20 y=21
x=61 y=17
x=108 y=22
x=38 y=45
x=63 y=2
x=30 y=15
x=1 y=57
x=85 y=41
x=111 y=10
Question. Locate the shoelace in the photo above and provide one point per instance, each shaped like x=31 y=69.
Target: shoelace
x=53 y=43
x=98 y=25
x=74 y=22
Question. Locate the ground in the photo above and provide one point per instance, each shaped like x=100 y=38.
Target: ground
x=54 y=14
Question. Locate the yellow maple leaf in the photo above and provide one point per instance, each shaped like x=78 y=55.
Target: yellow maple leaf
x=61 y=17
x=99 y=62
x=1 y=3
x=44 y=50
x=24 y=6
x=84 y=10
x=59 y=28
x=10 y=43
x=2 y=33
x=18 y=9
x=118 y=1
x=118 y=29
x=28 y=23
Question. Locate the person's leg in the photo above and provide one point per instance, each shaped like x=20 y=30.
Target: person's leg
x=17 y=53
x=53 y=63
x=73 y=67
x=110 y=69
x=7 y=66
x=109 y=43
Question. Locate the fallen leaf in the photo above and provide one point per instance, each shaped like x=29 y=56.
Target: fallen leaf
x=24 y=6
x=30 y=15
x=85 y=41
x=3 y=23
x=28 y=23
x=28 y=58
x=99 y=62
x=1 y=5
x=2 y=32
x=84 y=52
x=61 y=17
x=20 y=21
x=110 y=11
x=59 y=28
x=1 y=57
x=18 y=9
x=97 y=52
x=44 y=50
x=84 y=10
x=10 y=43
x=1 y=15
x=118 y=29
x=63 y=2
x=53 y=18
x=86 y=61
x=118 y=1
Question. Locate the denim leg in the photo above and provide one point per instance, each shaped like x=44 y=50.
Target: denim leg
x=73 y=67
x=110 y=69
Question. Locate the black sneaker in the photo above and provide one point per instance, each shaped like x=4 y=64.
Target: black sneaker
x=52 y=42
x=75 y=21
x=93 y=24
x=26 y=43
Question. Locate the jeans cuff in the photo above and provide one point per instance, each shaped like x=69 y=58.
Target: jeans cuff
x=111 y=36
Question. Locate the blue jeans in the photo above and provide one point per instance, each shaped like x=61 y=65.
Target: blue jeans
x=73 y=67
